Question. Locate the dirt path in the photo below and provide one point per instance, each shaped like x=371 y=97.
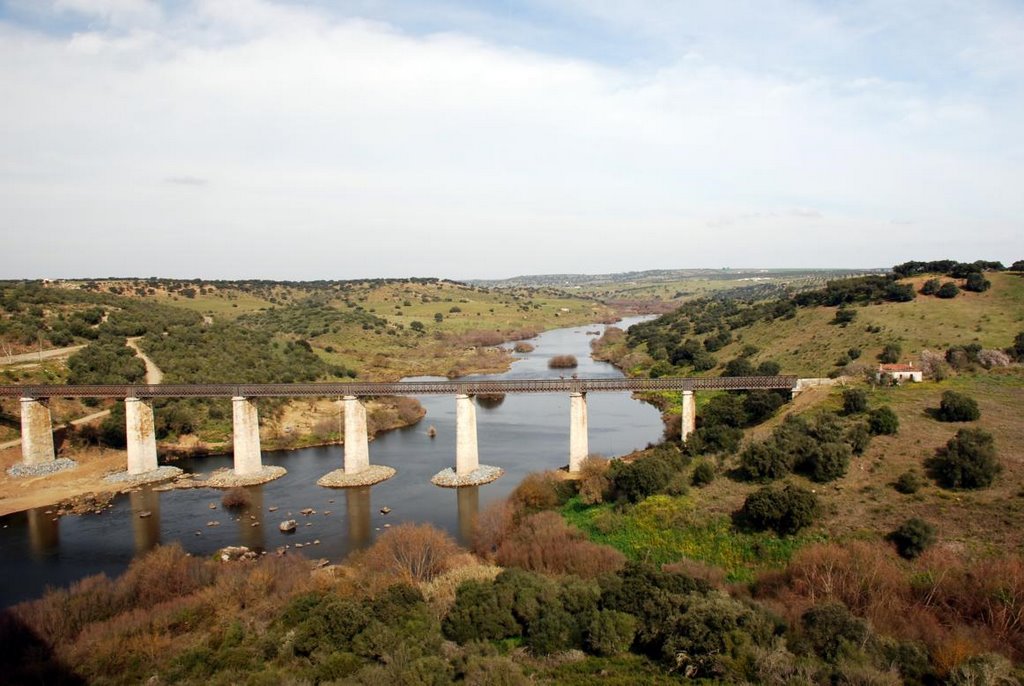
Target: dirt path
x=74 y=422
x=39 y=355
x=153 y=373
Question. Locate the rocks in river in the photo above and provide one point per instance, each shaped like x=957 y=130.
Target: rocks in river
x=213 y=524
x=288 y=526
x=272 y=508
x=431 y=431
x=144 y=514
x=385 y=509
x=255 y=524
x=213 y=506
x=307 y=511
x=234 y=553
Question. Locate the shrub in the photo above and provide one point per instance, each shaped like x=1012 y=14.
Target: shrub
x=544 y=542
x=634 y=481
x=480 y=614
x=523 y=347
x=703 y=474
x=1016 y=350
x=930 y=287
x=994 y=358
x=535 y=492
x=412 y=552
x=828 y=463
x=956 y=407
x=858 y=436
x=854 y=400
x=948 y=290
x=890 y=353
x=913 y=537
x=908 y=483
x=563 y=362
x=769 y=368
x=977 y=283
x=725 y=409
x=968 y=460
x=611 y=632
x=830 y=629
x=595 y=483
x=765 y=461
x=882 y=421
x=784 y=510
x=709 y=628
x=236 y=498
x=844 y=315
x=853 y=353
x=760 y=405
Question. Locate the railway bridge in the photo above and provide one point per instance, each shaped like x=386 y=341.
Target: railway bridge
x=37 y=433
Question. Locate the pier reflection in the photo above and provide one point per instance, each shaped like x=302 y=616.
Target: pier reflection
x=145 y=527
x=469 y=509
x=250 y=530
x=357 y=506
x=43 y=532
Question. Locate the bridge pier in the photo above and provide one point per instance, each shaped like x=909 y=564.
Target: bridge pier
x=357 y=470
x=36 y=432
x=141 y=435
x=248 y=463
x=468 y=470
x=688 y=423
x=578 y=439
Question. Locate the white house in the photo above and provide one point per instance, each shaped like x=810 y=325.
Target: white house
x=899 y=373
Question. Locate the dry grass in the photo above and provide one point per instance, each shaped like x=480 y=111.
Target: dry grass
x=545 y=543
x=563 y=362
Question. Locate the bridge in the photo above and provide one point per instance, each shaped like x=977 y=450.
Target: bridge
x=37 y=432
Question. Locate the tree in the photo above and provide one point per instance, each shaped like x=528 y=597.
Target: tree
x=417 y=326
x=1016 y=351
x=957 y=407
x=1017 y=266
x=438 y=317
x=968 y=460
x=784 y=510
x=854 y=400
x=883 y=421
x=948 y=290
x=913 y=537
x=740 y=366
x=769 y=368
x=890 y=353
x=765 y=461
x=844 y=315
x=703 y=474
x=930 y=287
x=977 y=283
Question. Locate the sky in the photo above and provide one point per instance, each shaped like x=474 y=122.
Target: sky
x=392 y=138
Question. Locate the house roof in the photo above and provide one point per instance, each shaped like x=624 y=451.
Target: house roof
x=897 y=368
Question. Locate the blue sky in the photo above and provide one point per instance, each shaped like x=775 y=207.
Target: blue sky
x=252 y=138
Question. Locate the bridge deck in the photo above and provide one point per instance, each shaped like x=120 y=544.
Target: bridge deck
x=315 y=390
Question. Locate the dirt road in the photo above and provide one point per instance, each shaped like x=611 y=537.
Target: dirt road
x=153 y=373
x=39 y=355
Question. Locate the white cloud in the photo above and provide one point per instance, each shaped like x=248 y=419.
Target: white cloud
x=344 y=147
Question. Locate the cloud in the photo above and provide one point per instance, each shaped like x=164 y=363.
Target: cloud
x=377 y=148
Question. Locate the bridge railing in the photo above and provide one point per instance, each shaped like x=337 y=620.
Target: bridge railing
x=365 y=389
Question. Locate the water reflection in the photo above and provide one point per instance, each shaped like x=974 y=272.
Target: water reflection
x=469 y=507
x=145 y=527
x=43 y=532
x=250 y=520
x=357 y=507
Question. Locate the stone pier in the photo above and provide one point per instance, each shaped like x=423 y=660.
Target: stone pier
x=356 y=470
x=141 y=435
x=578 y=441
x=36 y=432
x=468 y=470
x=248 y=469
x=688 y=422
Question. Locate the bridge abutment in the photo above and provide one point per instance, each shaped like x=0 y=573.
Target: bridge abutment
x=141 y=436
x=579 y=446
x=36 y=433
x=688 y=423
x=356 y=470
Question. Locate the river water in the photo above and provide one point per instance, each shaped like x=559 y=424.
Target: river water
x=522 y=434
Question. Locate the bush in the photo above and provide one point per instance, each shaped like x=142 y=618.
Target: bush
x=913 y=537
x=411 y=552
x=844 y=315
x=882 y=421
x=853 y=353
x=236 y=498
x=854 y=400
x=544 y=542
x=634 y=481
x=908 y=483
x=956 y=407
x=948 y=290
x=783 y=510
x=968 y=460
x=769 y=368
x=930 y=287
x=703 y=474
x=562 y=362
x=977 y=283
x=537 y=491
x=828 y=463
x=523 y=347
x=611 y=632
x=760 y=405
x=740 y=366
x=830 y=629
x=594 y=481
x=480 y=614
x=858 y=437
x=890 y=353
x=765 y=461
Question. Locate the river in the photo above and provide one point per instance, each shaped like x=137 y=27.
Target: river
x=522 y=434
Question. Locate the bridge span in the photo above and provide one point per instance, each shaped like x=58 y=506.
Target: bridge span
x=37 y=432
